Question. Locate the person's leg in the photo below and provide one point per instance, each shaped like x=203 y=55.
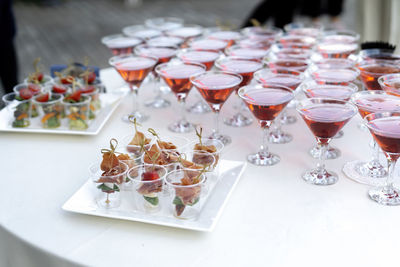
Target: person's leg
x=8 y=66
x=261 y=13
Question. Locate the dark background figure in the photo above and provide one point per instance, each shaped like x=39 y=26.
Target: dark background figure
x=8 y=58
x=283 y=11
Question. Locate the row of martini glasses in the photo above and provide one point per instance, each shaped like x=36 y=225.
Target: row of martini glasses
x=336 y=74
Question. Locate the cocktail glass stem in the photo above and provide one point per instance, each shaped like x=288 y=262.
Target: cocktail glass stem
x=264 y=144
x=182 y=103
x=238 y=119
x=322 y=157
x=158 y=101
x=388 y=188
x=135 y=95
x=216 y=123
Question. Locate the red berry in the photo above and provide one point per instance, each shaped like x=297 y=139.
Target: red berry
x=150 y=176
x=43 y=98
x=59 y=89
x=25 y=93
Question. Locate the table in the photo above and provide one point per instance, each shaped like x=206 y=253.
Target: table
x=272 y=219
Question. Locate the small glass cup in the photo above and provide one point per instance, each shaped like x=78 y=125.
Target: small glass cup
x=147 y=181
x=206 y=145
x=134 y=150
x=108 y=186
x=78 y=114
x=43 y=81
x=185 y=200
x=95 y=103
x=164 y=23
x=19 y=110
x=50 y=112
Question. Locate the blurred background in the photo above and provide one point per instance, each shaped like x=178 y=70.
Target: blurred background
x=61 y=31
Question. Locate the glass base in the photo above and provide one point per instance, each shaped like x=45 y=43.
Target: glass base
x=371 y=173
x=140 y=117
x=263 y=159
x=238 y=120
x=279 y=137
x=113 y=200
x=320 y=177
x=385 y=196
x=199 y=108
x=157 y=102
x=289 y=119
x=225 y=139
x=331 y=152
x=181 y=126
x=339 y=134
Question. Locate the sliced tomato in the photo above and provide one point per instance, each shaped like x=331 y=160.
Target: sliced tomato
x=39 y=76
x=90 y=78
x=76 y=96
x=88 y=89
x=25 y=93
x=66 y=79
x=150 y=176
x=59 y=89
x=43 y=97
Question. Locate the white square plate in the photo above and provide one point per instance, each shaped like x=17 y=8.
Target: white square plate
x=109 y=101
x=230 y=172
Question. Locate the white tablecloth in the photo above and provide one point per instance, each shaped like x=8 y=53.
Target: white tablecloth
x=272 y=219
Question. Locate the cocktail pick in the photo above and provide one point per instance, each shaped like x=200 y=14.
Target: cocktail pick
x=199 y=134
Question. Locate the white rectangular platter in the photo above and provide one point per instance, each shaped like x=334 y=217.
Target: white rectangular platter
x=230 y=172
x=109 y=101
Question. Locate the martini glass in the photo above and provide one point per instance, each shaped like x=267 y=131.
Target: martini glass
x=334 y=76
x=369 y=102
x=215 y=87
x=297 y=28
x=208 y=45
x=299 y=65
x=120 y=44
x=186 y=32
x=313 y=89
x=334 y=63
x=255 y=43
x=246 y=68
x=265 y=102
x=279 y=51
x=287 y=78
x=249 y=52
x=165 y=41
x=329 y=49
x=371 y=71
x=261 y=33
x=228 y=36
x=297 y=41
x=164 y=54
x=177 y=76
x=384 y=127
x=325 y=117
x=378 y=54
x=133 y=69
x=164 y=23
x=390 y=83
x=206 y=58
x=141 y=32
x=340 y=36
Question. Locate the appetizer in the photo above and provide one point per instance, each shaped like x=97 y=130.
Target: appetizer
x=139 y=141
x=77 y=108
x=51 y=109
x=19 y=111
x=202 y=158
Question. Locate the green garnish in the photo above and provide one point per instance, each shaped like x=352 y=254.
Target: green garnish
x=103 y=187
x=152 y=200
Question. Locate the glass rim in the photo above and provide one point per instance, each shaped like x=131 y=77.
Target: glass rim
x=188 y=26
x=201 y=182
x=311 y=82
x=386 y=114
x=166 y=39
x=162 y=20
x=355 y=71
x=219 y=142
x=212 y=35
x=202 y=39
x=60 y=98
x=180 y=53
x=377 y=62
x=131 y=29
x=106 y=39
x=258 y=87
x=195 y=83
x=146 y=165
x=97 y=165
x=301 y=104
x=119 y=58
x=179 y=63
x=385 y=79
x=229 y=50
x=137 y=49
x=84 y=102
x=193 y=151
x=258 y=74
x=6 y=101
x=218 y=63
